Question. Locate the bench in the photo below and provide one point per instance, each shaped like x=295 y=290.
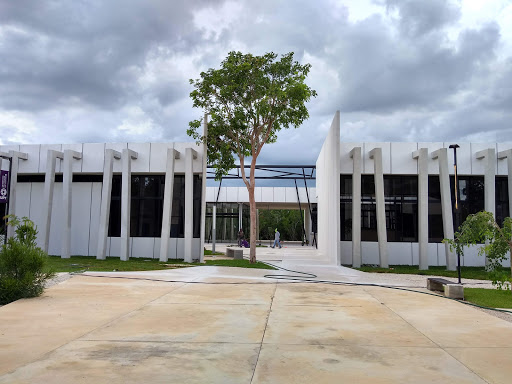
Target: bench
x=237 y=254
x=449 y=288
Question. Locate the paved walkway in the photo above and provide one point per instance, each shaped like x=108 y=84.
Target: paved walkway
x=231 y=325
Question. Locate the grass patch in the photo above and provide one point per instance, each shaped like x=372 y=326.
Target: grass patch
x=208 y=252
x=238 y=263
x=466 y=272
x=90 y=263
x=492 y=298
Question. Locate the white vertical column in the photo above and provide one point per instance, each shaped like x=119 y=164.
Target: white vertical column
x=13 y=176
x=422 y=156
x=190 y=155
x=307 y=224
x=203 y=189
x=106 y=194
x=214 y=226
x=489 y=178
x=172 y=154
x=49 y=183
x=376 y=155
x=355 y=154
x=67 y=180
x=507 y=154
x=126 y=200
x=446 y=203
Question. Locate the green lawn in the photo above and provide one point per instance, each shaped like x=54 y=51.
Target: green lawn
x=89 y=263
x=488 y=297
x=467 y=272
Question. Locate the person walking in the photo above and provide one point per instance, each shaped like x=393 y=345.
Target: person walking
x=240 y=237
x=276 y=239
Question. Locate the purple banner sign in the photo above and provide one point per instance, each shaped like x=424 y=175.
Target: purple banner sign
x=4 y=186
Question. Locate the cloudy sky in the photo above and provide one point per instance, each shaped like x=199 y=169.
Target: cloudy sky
x=118 y=70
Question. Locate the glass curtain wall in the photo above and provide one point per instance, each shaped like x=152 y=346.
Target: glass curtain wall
x=147 y=206
x=227 y=221
x=401 y=205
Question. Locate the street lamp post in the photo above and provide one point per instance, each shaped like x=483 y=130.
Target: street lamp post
x=457 y=208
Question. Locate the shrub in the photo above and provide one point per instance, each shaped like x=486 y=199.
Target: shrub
x=23 y=265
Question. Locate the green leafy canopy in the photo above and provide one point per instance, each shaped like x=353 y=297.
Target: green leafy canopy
x=482 y=228
x=248 y=100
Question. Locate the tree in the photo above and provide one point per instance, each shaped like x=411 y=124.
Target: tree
x=249 y=99
x=480 y=228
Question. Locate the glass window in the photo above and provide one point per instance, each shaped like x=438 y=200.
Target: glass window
x=471 y=193
x=502 y=203
x=147 y=206
x=435 y=215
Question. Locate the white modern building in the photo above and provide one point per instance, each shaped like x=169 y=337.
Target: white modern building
x=374 y=203
x=111 y=199
x=394 y=202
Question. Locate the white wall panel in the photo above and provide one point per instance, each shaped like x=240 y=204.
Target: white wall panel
x=222 y=195
x=433 y=165
x=6 y=149
x=77 y=164
x=471 y=258
x=231 y=194
x=415 y=248
x=93 y=157
x=197 y=165
x=94 y=215
x=463 y=158
x=115 y=246
x=196 y=249
x=502 y=164
x=23 y=192
x=117 y=147
x=441 y=254
x=31 y=165
x=36 y=208
x=478 y=166
x=370 y=252
x=346 y=162
x=142 y=247
x=243 y=194
x=56 y=228
x=158 y=156
x=173 y=249
x=180 y=248
x=80 y=218
x=141 y=164
x=400 y=253
x=312 y=195
x=386 y=157
x=267 y=194
x=433 y=257
x=211 y=194
x=346 y=252
x=43 y=153
x=402 y=162
x=290 y=195
x=279 y=194
x=257 y=194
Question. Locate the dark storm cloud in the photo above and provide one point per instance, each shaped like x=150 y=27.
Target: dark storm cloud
x=54 y=52
x=382 y=74
x=417 y=18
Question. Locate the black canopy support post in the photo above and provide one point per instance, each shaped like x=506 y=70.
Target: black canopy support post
x=300 y=210
x=307 y=193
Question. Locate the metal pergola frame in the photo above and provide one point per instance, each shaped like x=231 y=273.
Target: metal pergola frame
x=281 y=172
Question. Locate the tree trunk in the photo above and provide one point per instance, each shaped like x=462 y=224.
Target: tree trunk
x=252 y=205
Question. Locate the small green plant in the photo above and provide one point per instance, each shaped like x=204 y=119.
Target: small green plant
x=23 y=265
x=481 y=228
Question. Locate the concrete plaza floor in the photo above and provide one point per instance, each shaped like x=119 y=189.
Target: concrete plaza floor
x=232 y=325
